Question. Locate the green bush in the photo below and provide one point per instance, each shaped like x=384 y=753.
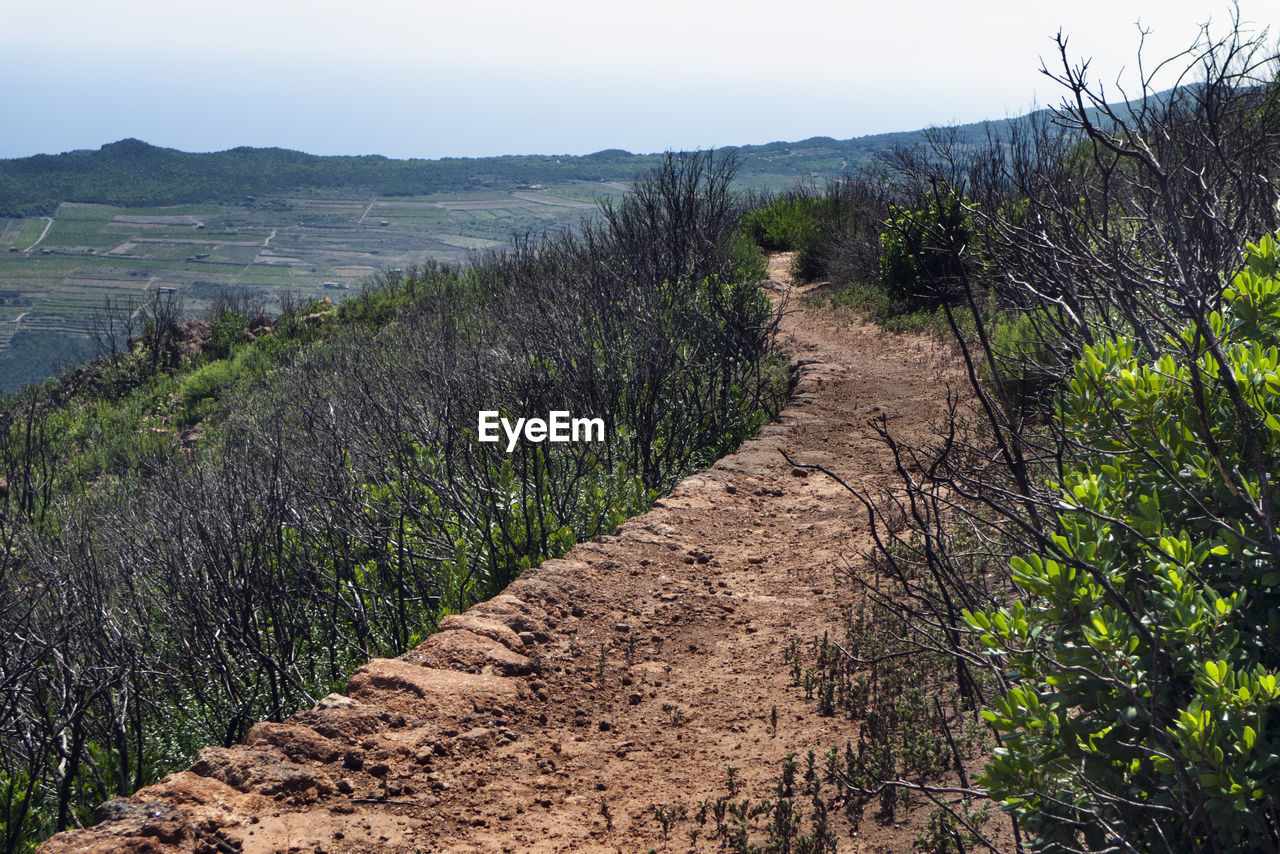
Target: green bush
x=1144 y=655
x=746 y=256
x=922 y=249
x=834 y=232
x=200 y=389
x=786 y=223
x=227 y=334
x=1027 y=358
x=17 y=810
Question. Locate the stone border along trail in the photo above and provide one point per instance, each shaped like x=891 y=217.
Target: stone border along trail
x=627 y=675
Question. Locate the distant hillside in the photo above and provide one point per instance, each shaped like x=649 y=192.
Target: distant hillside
x=131 y=172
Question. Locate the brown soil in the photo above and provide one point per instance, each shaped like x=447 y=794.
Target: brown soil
x=629 y=674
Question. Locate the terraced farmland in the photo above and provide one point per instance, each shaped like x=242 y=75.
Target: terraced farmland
x=54 y=272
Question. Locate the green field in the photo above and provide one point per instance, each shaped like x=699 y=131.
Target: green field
x=94 y=252
x=29 y=232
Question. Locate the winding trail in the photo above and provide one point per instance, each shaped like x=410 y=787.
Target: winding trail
x=625 y=676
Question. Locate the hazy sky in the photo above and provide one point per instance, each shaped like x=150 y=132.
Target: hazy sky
x=424 y=78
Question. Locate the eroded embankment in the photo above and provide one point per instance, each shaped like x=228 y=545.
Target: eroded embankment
x=624 y=677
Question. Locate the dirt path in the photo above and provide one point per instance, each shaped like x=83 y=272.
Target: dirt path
x=624 y=677
x=48 y=225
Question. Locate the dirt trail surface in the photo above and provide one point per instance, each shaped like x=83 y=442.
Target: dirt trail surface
x=628 y=675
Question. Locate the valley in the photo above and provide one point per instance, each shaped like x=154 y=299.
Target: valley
x=58 y=272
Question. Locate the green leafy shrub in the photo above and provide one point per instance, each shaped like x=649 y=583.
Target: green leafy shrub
x=18 y=810
x=922 y=251
x=200 y=389
x=746 y=256
x=227 y=334
x=1145 y=653
x=834 y=232
x=786 y=223
x=1027 y=356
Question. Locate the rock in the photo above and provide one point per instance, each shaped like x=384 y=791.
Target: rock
x=155 y=819
x=335 y=701
x=649 y=673
x=478 y=738
x=551 y=586
x=485 y=626
x=515 y=614
x=461 y=649
x=166 y=816
x=342 y=718
x=294 y=740
x=264 y=772
x=431 y=692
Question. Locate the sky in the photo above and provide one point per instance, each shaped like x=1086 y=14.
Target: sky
x=423 y=78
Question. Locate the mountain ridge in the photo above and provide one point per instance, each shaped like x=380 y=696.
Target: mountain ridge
x=131 y=171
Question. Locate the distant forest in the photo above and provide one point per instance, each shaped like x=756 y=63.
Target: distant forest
x=132 y=172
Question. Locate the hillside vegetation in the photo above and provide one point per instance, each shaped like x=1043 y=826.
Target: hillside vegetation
x=133 y=173
x=130 y=219
x=1092 y=544
x=218 y=523
x=1078 y=573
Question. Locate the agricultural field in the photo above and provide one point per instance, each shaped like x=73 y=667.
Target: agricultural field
x=286 y=220
x=56 y=271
